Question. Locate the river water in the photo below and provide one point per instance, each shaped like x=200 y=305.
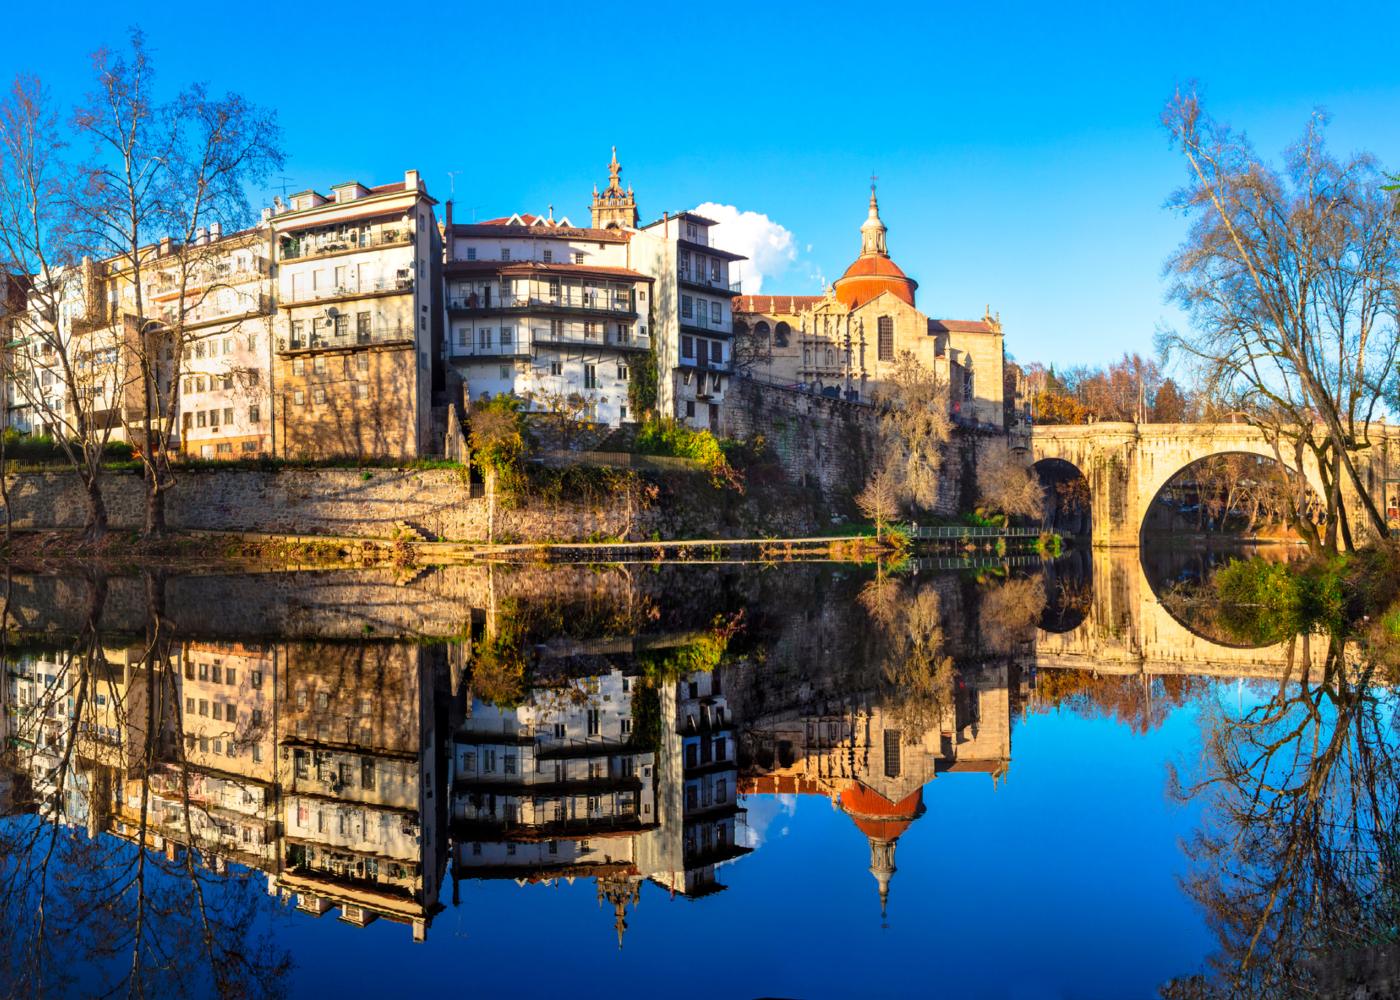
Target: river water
x=798 y=780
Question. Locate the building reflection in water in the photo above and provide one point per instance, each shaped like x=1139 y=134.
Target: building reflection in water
x=357 y=776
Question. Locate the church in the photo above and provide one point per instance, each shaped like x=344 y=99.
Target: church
x=846 y=342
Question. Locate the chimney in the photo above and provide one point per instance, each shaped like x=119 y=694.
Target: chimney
x=447 y=230
x=266 y=215
x=411 y=181
x=216 y=230
x=200 y=237
x=164 y=245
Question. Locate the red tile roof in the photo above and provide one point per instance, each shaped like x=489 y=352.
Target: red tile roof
x=785 y=304
x=960 y=326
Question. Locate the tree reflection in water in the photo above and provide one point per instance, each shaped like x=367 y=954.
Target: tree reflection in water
x=1295 y=859
x=107 y=882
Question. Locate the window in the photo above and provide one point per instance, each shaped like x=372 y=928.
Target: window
x=318 y=394
x=507 y=371
x=201 y=418
x=228 y=414
x=254 y=413
x=319 y=366
x=556 y=368
x=967 y=384
x=359 y=391
x=362 y=363
x=688 y=347
x=714 y=268
x=252 y=341
x=594 y=721
x=578 y=257
x=507 y=335
x=298 y=397
x=471 y=253
x=549 y=256
x=228 y=345
x=685 y=263
x=299 y=366
x=716 y=351
x=687 y=307
x=483 y=337
x=886 y=328
x=367 y=772
x=716 y=316
x=189 y=706
x=622 y=373
x=590 y=377
x=690 y=409
x=296 y=335
x=224 y=448
x=892 y=753
x=505 y=253
x=255 y=678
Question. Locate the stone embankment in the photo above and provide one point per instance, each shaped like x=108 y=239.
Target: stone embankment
x=420 y=504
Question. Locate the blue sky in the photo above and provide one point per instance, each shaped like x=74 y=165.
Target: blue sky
x=1020 y=160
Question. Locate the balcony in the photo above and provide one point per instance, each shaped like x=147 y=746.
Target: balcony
x=168 y=285
x=699 y=282
x=565 y=338
x=706 y=327
x=600 y=305
x=253 y=305
x=704 y=364
x=359 y=289
x=343 y=242
x=327 y=339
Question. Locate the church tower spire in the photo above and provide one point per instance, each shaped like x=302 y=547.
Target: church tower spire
x=614 y=208
x=872 y=232
x=882 y=867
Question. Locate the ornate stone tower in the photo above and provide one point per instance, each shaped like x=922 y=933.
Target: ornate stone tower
x=872 y=232
x=614 y=208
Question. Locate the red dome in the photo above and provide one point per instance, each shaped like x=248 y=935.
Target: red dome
x=878 y=817
x=871 y=274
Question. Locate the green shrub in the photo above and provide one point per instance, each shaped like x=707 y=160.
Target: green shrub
x=667 y=436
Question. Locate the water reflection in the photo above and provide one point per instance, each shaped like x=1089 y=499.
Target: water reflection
x=376 y=748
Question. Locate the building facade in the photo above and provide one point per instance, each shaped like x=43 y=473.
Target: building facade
x=692 y=315
x=548 y=312
x=847 y=342
x=358 y=322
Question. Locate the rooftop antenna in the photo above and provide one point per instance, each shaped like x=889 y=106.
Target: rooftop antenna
x=284 y=180
x=451 y=183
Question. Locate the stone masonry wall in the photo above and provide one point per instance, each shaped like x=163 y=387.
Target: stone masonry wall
x=829 y=444
x=375 y=503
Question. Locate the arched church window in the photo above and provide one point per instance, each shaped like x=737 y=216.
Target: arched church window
x=760 y=331
x=780 y=335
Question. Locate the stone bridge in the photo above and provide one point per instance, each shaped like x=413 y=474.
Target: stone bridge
x=1126 y=630
x=1127 y=464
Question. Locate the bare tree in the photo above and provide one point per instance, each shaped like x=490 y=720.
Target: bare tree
x=914 y=426
x=1289 y=277
x=1007 y=484
x=879 y=500
x=161 y=172
x=60 y=370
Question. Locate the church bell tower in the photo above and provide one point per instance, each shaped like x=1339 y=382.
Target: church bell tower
x=614 y=208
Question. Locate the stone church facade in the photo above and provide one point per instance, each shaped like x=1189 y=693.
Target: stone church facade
x=847 y=342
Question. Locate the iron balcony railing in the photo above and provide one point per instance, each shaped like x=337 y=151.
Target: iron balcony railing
x=325 y=337
x=317 y=246
x=586 y=303
x=403 y=283
x=523 y=343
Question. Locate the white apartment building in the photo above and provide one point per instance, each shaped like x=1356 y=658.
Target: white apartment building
x=545 y=310
x=692 y=315
x=226 y=322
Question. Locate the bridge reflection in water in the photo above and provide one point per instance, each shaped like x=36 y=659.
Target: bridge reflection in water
x=377 y=746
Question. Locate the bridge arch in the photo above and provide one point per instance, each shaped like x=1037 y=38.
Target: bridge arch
x=1127 y=465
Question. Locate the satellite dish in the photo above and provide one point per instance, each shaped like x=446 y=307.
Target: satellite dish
x=332 y=312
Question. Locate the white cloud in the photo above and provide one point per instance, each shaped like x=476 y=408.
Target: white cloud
x=769 y=246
